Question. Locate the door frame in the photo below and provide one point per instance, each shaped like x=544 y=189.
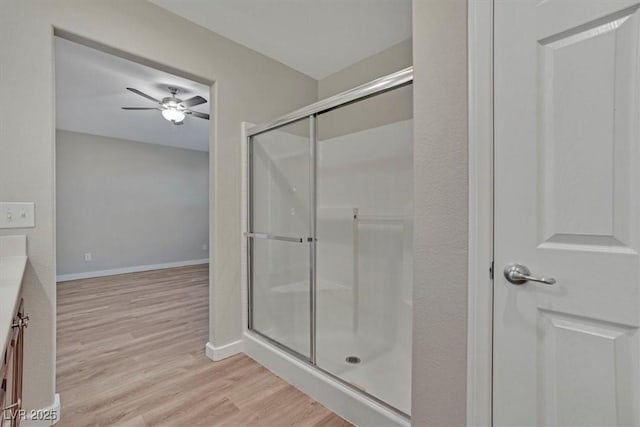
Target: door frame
x=480 y=30
x=121 y=52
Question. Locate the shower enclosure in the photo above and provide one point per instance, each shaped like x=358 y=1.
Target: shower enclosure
x=329 y=236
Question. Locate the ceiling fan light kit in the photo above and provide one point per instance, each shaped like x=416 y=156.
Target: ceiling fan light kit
x=173 y=115
x=172 y=108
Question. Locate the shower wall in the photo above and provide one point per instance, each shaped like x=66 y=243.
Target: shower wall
x=369 y=174
x=365 y=259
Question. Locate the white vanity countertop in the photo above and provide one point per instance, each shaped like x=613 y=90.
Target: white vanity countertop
x=13 y=260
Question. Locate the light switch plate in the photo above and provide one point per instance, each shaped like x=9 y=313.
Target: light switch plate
x=17 y=215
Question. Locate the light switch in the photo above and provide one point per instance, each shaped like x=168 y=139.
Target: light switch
x=17 y=215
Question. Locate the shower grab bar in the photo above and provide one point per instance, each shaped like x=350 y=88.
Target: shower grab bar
x=281 y=238
x=379 y=218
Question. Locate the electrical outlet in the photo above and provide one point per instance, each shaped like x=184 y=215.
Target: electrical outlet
x=205 y=247
x=17 y=215
x=88 y=257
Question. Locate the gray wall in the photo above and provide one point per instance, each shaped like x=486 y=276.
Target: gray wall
x=380 y=110
x=386 y=62
x=441 y=215
x=128 y=203
x=248 y=87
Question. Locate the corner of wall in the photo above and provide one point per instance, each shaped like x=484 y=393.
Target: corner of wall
x=388 y=61
x=441 y=229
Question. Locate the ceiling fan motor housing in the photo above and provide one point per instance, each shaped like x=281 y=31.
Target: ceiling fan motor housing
x=170 y=102
x=172 y=108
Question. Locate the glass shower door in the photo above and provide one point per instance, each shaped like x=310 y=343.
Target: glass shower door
x=280 y=225
x=364 y=245
x=330 y=254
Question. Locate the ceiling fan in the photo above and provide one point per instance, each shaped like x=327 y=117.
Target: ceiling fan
x=172 y=108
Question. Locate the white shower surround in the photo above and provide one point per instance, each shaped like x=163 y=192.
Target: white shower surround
x=385 y=347
x=369 y=174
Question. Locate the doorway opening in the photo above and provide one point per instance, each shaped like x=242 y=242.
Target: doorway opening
x=132 y=224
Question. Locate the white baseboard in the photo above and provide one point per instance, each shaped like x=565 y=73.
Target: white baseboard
x=218 y=353
x=51 y=413
x=134 y=269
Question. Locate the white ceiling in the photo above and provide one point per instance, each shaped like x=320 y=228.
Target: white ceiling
x=91 y=88
x=315 y=37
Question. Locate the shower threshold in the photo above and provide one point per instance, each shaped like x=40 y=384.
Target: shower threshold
x=342 y=397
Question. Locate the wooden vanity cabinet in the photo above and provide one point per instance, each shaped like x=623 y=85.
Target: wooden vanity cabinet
x=11 y=370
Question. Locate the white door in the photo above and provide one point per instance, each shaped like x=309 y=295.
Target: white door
x=567 y=206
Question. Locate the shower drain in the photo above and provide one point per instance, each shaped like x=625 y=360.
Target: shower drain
x=352 y=359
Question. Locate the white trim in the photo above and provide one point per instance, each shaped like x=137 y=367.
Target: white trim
x=480 y=292
x=133 y=269
x=218 y=353
x=54 y=410
x=243 y=220
x=347 y=403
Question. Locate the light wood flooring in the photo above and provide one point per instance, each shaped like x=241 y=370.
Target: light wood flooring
x=131 y=353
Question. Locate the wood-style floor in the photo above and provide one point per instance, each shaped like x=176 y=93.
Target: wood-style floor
x=131 y=353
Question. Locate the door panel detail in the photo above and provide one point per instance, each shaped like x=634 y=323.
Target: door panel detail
x=588 y=103
x=586 y=371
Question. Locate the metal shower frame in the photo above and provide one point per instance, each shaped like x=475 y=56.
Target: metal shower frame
x=384 y=84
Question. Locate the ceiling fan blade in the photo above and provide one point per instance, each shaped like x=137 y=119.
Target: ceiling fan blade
x=191 y=102
x=197 y=114
x=139 y=108
x=137 y=92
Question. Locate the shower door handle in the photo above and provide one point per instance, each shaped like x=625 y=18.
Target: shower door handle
x=280 y=238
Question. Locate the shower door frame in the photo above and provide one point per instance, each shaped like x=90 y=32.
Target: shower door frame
x=387 y=83
x=250 y=235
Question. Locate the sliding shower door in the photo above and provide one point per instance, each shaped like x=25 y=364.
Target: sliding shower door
x=330 y=225
x=364 y=244
x=280 y=230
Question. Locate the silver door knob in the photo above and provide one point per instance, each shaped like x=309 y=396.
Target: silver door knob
x=519 y=274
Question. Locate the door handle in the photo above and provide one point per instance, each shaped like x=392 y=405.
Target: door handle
x=519 y=274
